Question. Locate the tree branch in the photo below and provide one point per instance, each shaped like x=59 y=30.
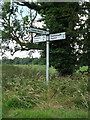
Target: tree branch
x=31 y=6
x=25 y=46
x=34 y=17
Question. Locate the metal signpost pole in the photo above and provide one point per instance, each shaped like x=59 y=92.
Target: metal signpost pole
x=47 y=37
x=47 y=58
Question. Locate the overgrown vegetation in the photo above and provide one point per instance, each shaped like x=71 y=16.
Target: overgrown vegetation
x=25 y=91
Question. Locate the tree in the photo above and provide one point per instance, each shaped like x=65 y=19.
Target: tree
x=84 y=58
x=58 y=17
x=16 y=28
x=65 y=17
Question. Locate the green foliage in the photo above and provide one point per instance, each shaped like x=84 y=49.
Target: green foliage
x=14 y=102
x=83 y=69
x=84 y=58
x=62 y=17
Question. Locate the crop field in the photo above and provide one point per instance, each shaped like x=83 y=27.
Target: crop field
x=26 y=95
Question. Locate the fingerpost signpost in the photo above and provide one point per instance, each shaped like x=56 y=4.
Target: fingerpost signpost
x=46 y=37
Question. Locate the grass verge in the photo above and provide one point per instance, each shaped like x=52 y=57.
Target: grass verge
x=45 y=113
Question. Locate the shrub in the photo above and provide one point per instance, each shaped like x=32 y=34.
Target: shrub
x=14 y=102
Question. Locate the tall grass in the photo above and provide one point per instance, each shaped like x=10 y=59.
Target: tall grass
x=24 y=87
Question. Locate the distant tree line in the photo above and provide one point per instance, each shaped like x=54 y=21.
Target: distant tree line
x=24 y=61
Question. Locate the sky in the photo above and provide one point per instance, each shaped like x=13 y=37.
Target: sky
x=22 y=54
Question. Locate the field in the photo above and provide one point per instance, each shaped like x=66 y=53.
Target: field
x=26 y=95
